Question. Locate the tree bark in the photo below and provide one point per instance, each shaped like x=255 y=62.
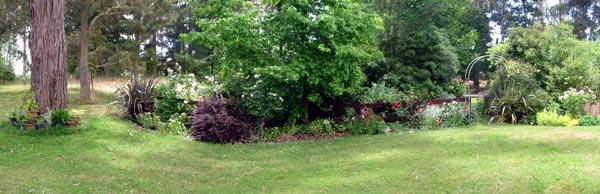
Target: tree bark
x=84 y=72
x=48 y=53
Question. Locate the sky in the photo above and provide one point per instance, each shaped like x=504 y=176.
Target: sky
x=18 y=65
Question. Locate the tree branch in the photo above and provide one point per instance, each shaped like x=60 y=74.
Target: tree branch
x=108 y=12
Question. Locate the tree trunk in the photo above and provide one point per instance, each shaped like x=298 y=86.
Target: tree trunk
x=26 y=65
x=560 y=10
x=84 y=72
x=48 y=53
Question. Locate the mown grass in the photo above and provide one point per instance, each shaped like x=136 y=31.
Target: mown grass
x=114 y=156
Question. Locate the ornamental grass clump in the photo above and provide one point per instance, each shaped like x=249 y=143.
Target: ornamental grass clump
x=135 y=97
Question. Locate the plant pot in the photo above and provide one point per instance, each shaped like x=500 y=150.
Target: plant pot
x=72 y=124
x=75 y=119
x=29 y=126
x=13 y=121
x=42 y=125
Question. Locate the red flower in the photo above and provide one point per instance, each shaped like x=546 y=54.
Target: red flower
x=426 y=93
x=420 y=110
x=396 y=105
x=430 y=103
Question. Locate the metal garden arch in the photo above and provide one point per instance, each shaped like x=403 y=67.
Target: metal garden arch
x=468 y=78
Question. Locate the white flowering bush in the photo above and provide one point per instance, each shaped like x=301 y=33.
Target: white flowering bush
x=262 y=100
x=443 y=116
x=454 y=114
x=572 y=100
x=261 y=95
x=176 y=95
x=431 y=117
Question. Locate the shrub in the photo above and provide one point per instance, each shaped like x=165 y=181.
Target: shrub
x=453 y=114
x=572 y=101
x=516 y=93
x=60 y=117
x=477 y=108
x=148 y=120
x=47 y=116
x=175 y=125
x=174 y=96
x=552 y=118
x=263 y=97
x=367 y=123
x=279 y=131
x=325 y=66
x=28 y=103
x=587 y=120
x=379 y=93
x=431 y=117
x=135 y=96
x=18 y=115
x=7 y=73
x=443 y=116
x=218 y=119
x=13 y=113
x=320 y=127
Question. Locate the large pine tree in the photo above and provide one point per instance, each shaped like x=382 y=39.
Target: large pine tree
x=48 y=53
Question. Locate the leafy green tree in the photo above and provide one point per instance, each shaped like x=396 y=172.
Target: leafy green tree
x=14 y=25
x=191 y=57
x=509 y=14
x=562 y=61
x=301 y=51
x=141 y=19
x=425 y=42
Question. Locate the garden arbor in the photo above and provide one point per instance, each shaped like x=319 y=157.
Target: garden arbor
x=468 y=77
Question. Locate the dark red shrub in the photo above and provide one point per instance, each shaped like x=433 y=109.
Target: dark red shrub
x=217 y=119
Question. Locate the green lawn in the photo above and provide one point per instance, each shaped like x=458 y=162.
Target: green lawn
x=114 y=156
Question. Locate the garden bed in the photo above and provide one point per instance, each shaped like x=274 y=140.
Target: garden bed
x=391 y=118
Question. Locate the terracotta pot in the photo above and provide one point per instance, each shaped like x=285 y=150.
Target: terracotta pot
x=71 y=124
x=29 y=126
x=75 y=119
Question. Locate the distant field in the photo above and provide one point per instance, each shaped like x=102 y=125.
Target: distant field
x=102 y=84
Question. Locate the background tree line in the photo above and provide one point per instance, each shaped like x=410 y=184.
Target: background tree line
x=425 y=43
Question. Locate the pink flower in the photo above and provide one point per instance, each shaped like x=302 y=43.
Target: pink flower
x=396 y=105
x=430 y=103
x=420 y=110
x=426 y=93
